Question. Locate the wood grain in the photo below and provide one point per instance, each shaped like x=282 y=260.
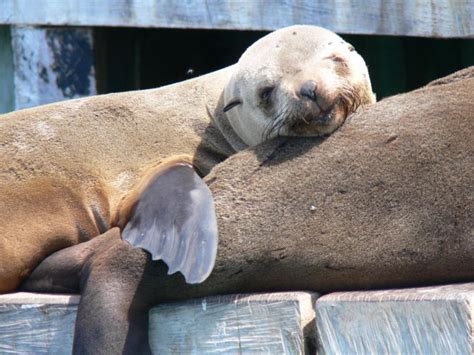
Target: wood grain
x=429 y=18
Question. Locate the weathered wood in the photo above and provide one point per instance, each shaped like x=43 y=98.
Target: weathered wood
x=45 y=65
x=237 y=324
x=279 y=323
x=434 y=320
x=428 y=320
x=431 y=18
x=37 y=324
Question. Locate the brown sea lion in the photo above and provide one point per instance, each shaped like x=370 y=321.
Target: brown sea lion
x=73 y=170
x=385 y=201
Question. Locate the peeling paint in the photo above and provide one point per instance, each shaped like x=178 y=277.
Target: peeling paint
x=72 y=60
x=51 y=64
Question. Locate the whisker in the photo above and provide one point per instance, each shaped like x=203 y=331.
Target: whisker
x=271 y=125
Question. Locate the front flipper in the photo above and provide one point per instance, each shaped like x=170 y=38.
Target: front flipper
x=173 y=218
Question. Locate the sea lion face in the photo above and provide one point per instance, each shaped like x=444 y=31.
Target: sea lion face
x=298 y=81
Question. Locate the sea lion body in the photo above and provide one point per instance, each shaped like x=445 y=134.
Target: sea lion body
x=67 y=167
x=386 y=201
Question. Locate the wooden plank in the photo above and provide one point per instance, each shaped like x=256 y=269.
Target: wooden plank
x=428 y=320
x=278 y=323
x=430 y=18
x=50 y=64
x=237 y=324
x=37 y=324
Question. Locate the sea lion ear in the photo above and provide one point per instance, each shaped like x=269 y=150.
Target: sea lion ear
x=173 y=218
x=234 y=102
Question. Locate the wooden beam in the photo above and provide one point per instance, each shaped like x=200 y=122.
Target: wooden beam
x=429 y=18
x=425 y=320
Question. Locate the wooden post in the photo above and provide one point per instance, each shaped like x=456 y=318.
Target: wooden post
x=45 y=65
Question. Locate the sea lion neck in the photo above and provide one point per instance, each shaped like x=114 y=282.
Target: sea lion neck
x=223 y=135
x=219 y=119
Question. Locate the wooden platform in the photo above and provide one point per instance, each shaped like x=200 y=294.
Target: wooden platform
x=429 y=320
x=279 y=323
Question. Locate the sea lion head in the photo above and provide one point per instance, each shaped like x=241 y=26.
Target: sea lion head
x=297 y=81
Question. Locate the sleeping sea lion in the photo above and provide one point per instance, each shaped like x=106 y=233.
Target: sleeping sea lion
x=73 y=170
x=386 y=201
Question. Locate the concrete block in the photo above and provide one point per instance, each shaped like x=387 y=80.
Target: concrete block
x=278 y=323
x=427 y=320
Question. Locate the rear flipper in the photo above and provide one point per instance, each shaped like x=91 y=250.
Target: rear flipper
x=61 y=272
x=171 y=215
x=112 y=316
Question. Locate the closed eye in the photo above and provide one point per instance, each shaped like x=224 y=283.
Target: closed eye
x=265 y=93
x=234 y=102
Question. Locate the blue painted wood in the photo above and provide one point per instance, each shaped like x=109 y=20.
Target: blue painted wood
x=278 y=323
x=427 y=320
x=44 y=65
x=431 y=18
x=37 y=324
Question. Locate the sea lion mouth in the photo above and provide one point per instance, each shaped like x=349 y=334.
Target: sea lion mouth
x=324 y=117
x=300 y=123
x=345 y=104
x=310 y=122
x=310 y=119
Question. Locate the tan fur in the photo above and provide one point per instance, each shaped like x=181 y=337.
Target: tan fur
x=129 y=201
x=283 y=63
x=67 y=167
x=385 y=201
x=59 y=161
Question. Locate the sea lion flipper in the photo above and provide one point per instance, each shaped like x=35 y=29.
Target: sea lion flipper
x=174 y=219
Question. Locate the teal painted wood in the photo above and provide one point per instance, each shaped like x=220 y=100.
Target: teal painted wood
x=7 y=97
x=430 y=18
x=429 y=320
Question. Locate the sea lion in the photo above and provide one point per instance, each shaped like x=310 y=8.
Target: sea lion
x=72 y=170
x=278 y=99
x=385 y=201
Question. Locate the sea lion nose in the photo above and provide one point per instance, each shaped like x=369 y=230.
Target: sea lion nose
x=308 y=90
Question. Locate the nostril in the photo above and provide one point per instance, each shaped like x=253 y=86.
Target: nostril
x=308 y=90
